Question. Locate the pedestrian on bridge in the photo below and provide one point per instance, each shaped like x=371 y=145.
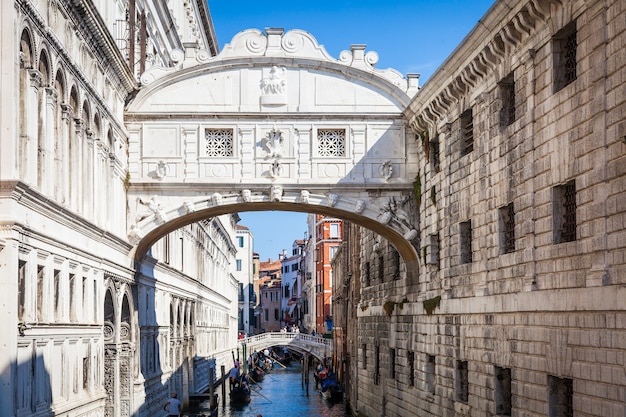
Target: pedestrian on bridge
x=173 y=406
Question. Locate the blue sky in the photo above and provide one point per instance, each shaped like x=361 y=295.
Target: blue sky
x=411 y=36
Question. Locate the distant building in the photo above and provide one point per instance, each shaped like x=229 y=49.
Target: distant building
x=244 y=272
x=270 y=275
x=328 y=235
x=291 y=303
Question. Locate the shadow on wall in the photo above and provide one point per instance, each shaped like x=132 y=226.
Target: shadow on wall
x=33 y=386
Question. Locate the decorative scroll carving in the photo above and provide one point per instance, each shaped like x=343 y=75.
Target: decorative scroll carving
x=188 y=207
x=332 y=199
x=274 y=144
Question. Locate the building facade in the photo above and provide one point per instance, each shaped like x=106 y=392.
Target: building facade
x=244 y=272
x=328 y=233
x=517 y=308
x=88 y=332
x=291 y=303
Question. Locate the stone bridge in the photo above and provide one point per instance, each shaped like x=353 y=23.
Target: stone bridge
x=302 y=343
x=272 y=123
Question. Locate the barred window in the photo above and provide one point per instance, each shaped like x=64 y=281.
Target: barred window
x=219 y=142
x=411 y=360
x=507 y=229
x=430 y=374
x=331 y=142
x=564 y=212
x=503 y=391
x=392 y=363
x=467 y=132
x=564 y=47
x=434 y=154
x=507 y=95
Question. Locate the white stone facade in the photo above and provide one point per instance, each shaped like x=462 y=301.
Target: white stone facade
x=88 y=332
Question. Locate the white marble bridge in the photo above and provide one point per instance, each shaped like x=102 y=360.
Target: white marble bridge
x=319 y=347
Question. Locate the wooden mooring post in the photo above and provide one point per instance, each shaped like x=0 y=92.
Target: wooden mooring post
x=223 y=385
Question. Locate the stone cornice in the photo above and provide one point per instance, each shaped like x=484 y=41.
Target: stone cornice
x=209 y=29
x=493 y=39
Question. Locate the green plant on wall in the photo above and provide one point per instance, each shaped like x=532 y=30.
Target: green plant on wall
x=127 y=181
x=417 y=189
x=389 y=307
x=431 y=304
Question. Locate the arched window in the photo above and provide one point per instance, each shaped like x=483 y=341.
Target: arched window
x=125 y=319
x=73 y=151
x=42 y=144
x=109 y=316
x=60 y=140
x=26 y=63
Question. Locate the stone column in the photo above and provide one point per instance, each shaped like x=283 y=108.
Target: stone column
x=190 y=152
x=76 y=164
x=63 y=170
x=29 y=155
x=303 y=156
x=88 y=174
x=246 y=150
x=47 y=151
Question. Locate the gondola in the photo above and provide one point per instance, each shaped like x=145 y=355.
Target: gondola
x=331 y=389
x=240 y=392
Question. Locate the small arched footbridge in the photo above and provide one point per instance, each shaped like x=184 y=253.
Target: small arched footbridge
x=319 y=347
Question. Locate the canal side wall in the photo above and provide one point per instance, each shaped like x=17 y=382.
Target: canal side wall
x=520 y=201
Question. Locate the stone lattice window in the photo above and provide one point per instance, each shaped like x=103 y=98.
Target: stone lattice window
x=465 y=242
x=560 y=396
x=564 y=46
x=564 y=212
x=461 y=381
x=331 y=142
x=219 y=142
x=507 y=95
x=467 y=132
x=503 y=391
x=507 y=228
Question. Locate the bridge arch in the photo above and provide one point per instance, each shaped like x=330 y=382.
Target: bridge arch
x=319 y=347
x=272 y=123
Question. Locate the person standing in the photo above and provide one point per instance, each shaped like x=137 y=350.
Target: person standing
x=173 y=406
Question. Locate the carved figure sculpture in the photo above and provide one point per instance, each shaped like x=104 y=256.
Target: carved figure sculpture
x=304 y=196
x=274 y=144
x=359 y=206
x=216 y=199
x=276 y=193
x=246 y=196
x=332 y=200
x=275 y=83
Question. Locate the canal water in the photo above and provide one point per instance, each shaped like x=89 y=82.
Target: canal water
x=281 y=394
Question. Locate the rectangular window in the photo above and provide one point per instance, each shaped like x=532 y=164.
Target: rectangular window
x=503 y=391
x=334 y=230
x=465 y=240
x=367 y=274
x=392 y=363
x=40 y=277
x=286 y=291
x=560 y=396
x=507 y=228
x=57 y=295
x=294 y=267
x=364 y=355
x=265 y=315
x=240 y=241
x=376 y=365
x=507 y=96
x=432 y=250
x=461 y=381
x=381 y=268
x=411 y=360
x=396 y=264
x=564 y=46
x=331 y=142
x=333 y=250
x=85 y=373
x=467 y=132
x=219 y=142
x=430 y=374
x=276 y=316
x=238 y=264
x=564 y=212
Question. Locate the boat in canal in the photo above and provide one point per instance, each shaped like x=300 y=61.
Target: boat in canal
x=240 y=391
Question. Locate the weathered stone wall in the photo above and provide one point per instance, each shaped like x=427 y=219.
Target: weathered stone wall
x=537 y=327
